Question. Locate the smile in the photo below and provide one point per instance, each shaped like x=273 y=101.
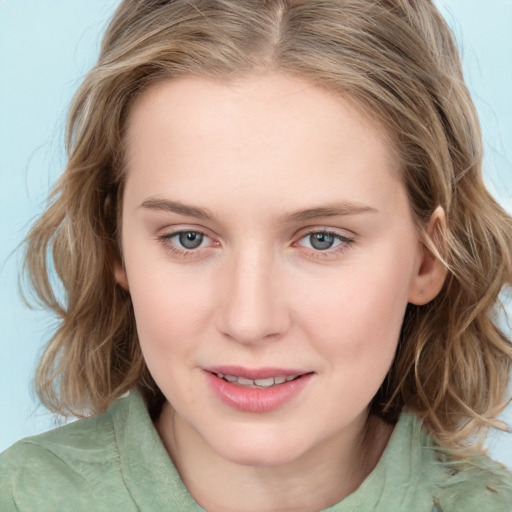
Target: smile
x=257 y=391
x=257 y=383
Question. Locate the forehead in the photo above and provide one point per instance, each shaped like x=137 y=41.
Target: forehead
x=270 y=101
x=250 y=134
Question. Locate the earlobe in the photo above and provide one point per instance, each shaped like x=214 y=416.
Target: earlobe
x=120 y=274
x=431 y=271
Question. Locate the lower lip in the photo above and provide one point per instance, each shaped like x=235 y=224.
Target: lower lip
x=254 y=399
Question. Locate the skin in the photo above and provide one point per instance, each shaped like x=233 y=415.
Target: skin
x=256 y=293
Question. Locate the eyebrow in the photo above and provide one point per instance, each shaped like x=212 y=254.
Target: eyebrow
x=164 y=205
x=330 y=210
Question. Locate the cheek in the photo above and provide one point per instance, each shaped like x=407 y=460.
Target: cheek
x=356 y=330
x=170 y=316
x=356 y=320
x=170 y=306
x=359 y=305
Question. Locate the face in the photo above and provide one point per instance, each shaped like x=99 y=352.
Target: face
x=270 y=253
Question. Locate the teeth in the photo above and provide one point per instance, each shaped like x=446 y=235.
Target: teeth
x=265 y=383
x=257 y=383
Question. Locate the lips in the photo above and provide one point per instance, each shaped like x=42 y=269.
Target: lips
x=257 y=383
x=256 y=390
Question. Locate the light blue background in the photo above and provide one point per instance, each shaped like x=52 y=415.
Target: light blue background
x=47 y=46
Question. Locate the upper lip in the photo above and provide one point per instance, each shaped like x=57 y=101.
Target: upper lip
x=255 y=373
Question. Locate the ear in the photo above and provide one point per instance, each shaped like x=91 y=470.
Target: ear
x=431 y=271
x=120 y=274
x=109 y=210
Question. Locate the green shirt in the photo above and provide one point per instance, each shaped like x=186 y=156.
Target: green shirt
x=116 y=461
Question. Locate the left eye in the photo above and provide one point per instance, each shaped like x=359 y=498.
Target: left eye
x=322 y=240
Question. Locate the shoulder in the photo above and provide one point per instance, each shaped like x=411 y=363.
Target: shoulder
x=472 y=485
x=479 y=484
x=72 y=462
x=79 y=441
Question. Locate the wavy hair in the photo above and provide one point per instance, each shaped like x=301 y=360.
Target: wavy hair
x=397 y=60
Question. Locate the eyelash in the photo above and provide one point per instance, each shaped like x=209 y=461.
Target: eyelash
x=166 y=241
x=345 y=242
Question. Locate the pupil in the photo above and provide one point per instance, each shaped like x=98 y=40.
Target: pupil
x=321 y=241
x=191 y=240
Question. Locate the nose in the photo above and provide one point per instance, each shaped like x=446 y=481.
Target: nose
x=253 y=307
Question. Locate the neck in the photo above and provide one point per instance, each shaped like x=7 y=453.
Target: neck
x=317 y=479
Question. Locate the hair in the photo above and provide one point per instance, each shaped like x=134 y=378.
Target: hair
x=397 y=61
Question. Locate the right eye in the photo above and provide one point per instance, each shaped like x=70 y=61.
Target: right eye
x=188 y=239
x=186 y=242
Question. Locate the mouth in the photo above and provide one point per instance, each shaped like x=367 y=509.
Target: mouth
x=264 y=383
x=257 y=390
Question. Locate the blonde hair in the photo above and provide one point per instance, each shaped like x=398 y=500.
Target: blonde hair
x=396 y=59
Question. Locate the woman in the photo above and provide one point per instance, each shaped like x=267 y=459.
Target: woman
x=273 y=233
